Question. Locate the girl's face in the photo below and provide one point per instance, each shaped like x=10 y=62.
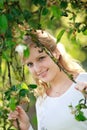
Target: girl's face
x=41 y=65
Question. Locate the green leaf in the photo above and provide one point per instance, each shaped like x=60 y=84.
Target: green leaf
x=9 y=33
x=10 y=43
x=73 y=39
x=80 y=116
x=13 y=88
x=33 y=86
x=10 y=17
x=77 y=24
x=45 y=11
x=1 y=112
x=19 y=87
x=1 y=4
x=40 y=2
x=78 y=107
x=1 y=102
x=64 y=4
x=13 y=0
x=5 y=55
x=23 y=92
x=56 y=11
x=8 y=94
x=26 y=53
x=24 y=86
x=3 y=23
x=70 y=32
x=12 y=103
x=70 y=106
x=15 y=12
x=64 y=13
x=60 y=35
x=81 y=100
x=85 y=32
x=27 y=15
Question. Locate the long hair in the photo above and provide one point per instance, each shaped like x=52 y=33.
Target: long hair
x=71 y=65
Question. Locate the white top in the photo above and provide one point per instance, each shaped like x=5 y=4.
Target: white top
x=53 y=113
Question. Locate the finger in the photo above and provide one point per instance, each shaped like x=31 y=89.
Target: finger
x=20 y=110
x=13 y=115
x=85 y=90
x=81 y=86
x=15 y=124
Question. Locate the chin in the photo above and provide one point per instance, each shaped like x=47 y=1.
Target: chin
x=46 y=80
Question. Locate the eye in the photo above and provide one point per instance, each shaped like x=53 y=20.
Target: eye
x=42 y=58
x=29 y=64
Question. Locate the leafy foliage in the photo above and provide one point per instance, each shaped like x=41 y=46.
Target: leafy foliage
x=17 y=16
x=77 y=111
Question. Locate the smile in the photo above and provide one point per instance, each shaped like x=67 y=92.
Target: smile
x=43 y=74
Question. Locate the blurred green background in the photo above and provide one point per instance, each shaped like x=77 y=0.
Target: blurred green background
x=66 y=20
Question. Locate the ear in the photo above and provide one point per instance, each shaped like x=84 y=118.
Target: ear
x=56 y=54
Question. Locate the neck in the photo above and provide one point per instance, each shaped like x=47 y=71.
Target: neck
x=59 y=79
x=59 y=85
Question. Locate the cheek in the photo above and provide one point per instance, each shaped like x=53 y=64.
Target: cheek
x=51 y=64
x=31 y=70
x=49 y=61
x=53 y=68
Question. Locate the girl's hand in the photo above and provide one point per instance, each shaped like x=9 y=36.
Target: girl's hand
x=82 y=87
x=22 y=117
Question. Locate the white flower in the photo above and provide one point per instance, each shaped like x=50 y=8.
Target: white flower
x=20 y=48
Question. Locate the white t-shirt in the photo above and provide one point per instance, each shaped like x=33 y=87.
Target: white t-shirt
x=53 y=113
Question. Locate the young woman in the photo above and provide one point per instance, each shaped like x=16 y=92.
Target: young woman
x=55 y=91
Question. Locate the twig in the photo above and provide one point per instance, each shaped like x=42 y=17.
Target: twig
x=18 y=125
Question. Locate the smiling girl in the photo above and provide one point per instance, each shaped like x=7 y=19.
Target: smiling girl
x=55 y=91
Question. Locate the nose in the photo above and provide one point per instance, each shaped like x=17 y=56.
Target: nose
x=37 y=67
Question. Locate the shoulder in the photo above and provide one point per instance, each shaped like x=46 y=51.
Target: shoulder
x=40 y=100
x=82 y=76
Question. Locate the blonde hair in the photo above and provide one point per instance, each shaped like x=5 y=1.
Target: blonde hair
x=67 y=62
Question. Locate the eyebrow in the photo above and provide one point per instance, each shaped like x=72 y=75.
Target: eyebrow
x=41 y=50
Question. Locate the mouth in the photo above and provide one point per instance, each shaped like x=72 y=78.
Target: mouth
x=43 y=74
